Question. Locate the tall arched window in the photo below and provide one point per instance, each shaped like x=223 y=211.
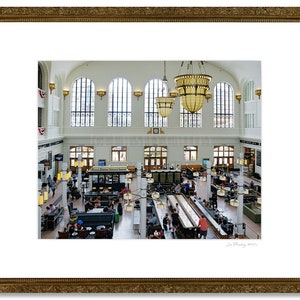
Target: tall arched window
x=83 y=103
x=190 y=120
x=119 y=103
x=154 y=88
x=223 y=106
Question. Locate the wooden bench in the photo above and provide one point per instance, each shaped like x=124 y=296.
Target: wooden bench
x=184 y=219
x=131 y=169
x=196 y=167
x=216 y=227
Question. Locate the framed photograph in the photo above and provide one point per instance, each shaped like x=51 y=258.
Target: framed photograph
x=30 y=34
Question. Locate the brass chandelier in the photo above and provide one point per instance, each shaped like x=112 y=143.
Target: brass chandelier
x=192 y=88
x=164 y=105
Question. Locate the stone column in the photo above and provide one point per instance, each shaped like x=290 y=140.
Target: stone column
x=208 y=180
x=240 y=182
x=79 y=172
x=64 y=186
x=143 y=212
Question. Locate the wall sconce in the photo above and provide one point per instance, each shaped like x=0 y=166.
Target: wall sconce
x=238 y=97
x=101 y=93
x=207 y=96
x=65 y=93
x=258 y=93
x=173 y=94
x=51 y=87
x=138 y=94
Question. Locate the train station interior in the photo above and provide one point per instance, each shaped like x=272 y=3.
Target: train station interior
x=123 y=144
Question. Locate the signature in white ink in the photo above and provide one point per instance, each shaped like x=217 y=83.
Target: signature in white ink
x=241 y=244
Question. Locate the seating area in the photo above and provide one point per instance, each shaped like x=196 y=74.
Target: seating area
x=125 y=229
x=189 y=170
x=53 y=219
x=215 y=225
x=96 y=219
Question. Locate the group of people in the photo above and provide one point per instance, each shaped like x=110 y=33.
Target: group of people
x=96 y=203
x=173 y=224
x=187 y=188
x=49 y=209
x=73 y=190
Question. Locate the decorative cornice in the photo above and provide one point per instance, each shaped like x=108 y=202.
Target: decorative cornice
x=149 y=14
x=150 y=285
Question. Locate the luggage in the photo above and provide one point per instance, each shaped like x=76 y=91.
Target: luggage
x=117 y=217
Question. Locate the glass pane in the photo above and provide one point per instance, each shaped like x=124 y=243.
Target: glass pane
x=193 y=155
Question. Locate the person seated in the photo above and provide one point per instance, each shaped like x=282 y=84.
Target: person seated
x=89 y=205
x=177 y=189
x=75 y=193
x=111 y=209
x=161 y=234
x=153 y=220
x=159 y=188
x=47 y=212
x=187 y=188
x=73 y=220
x=79 y=225
x=205 y=203
x=97 y=202
x=52 y=207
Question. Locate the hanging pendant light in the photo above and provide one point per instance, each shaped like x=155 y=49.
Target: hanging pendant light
x=192 y=88
x=164 y=105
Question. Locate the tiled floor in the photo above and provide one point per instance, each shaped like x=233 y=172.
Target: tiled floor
x=125 y=230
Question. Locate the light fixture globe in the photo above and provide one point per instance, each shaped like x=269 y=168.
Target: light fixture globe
x=155 y=195
x=164 y=106
x=192 y=89
x=127 y=196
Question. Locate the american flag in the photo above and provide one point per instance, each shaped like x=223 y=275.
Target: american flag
x=41 y=130
x=42 y=93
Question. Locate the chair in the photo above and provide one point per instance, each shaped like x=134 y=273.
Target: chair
x=72 y=209
x=63 y=234
x=100 y=234
x=83 y=234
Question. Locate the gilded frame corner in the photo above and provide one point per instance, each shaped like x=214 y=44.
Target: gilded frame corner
x=150 y=285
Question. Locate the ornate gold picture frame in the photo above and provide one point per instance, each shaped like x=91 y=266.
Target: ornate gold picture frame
x=149 y=14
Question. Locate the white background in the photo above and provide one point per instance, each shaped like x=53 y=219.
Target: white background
x=276 y=45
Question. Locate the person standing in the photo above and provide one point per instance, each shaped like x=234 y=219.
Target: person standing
x=53 y=188
x=166 y=221
x=49 y=181
x=175 y=220
x=202 y=227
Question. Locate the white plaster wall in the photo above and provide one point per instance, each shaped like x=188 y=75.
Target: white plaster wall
x=135 y=137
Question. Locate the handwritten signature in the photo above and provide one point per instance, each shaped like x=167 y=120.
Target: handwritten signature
x=241 y=244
